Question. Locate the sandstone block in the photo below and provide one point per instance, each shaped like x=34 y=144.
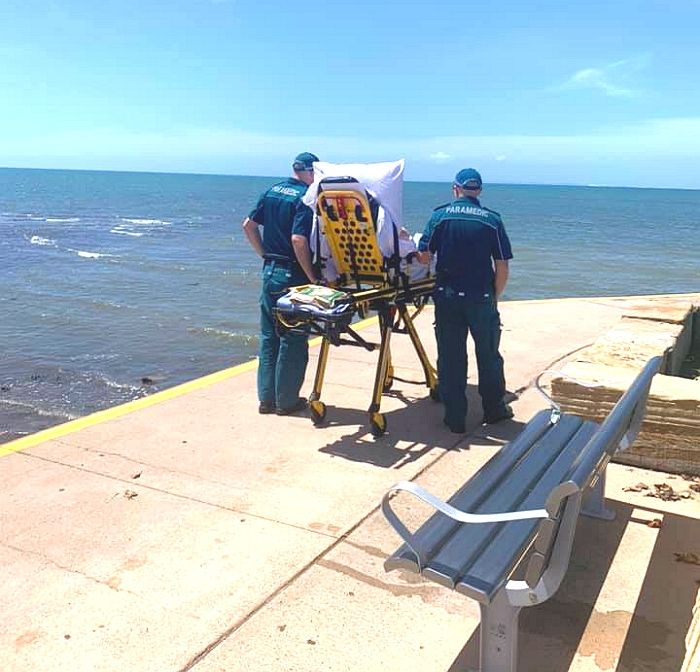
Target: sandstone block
x=670 y=435
x=633 y=342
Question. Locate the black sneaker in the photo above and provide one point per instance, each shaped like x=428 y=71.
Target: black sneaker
x=506 y=413
x=299 y=406
x=266 y=408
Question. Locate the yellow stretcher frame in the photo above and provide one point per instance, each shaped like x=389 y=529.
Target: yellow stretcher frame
x=374 y=284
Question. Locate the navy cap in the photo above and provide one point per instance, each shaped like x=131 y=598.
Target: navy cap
x=304 y=161
x=468 y=178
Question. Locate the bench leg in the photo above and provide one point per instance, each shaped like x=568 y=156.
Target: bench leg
x=594 y=501
x=499 y=635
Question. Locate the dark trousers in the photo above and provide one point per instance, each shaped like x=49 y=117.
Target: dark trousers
x=283 y=359
x=455 y=317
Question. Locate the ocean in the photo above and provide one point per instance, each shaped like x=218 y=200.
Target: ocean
x=115 y=285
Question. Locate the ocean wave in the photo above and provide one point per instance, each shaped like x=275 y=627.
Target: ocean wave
x=62 y=219
x=120 y=386
x=146 y=222
x=237 y=337
x=107 y=305
x=44 y=242
x=124 y=231
x=37 y=410
x=90 y=255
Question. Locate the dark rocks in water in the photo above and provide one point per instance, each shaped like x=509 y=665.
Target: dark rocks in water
x=147 y=381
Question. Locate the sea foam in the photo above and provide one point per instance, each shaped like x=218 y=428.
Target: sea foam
x=123 y=230
x=89 y=255
x=44 y=242
x=147 y=222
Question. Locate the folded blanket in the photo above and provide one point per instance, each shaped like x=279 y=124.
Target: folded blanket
x=318 y=295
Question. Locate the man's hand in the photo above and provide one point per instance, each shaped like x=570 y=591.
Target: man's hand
x=252 y=233
x=303 y=255
x=501 y=277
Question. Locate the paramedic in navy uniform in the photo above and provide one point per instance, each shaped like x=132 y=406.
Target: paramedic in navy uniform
x=283 y=359
x=472 y=250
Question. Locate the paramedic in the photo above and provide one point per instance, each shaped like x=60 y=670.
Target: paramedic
x=472 y=250
x=283 y=359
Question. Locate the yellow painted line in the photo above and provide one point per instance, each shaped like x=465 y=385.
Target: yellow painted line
x=123 y=409
x=144 y=402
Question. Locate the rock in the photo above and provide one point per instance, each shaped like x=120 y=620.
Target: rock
x=670 y=436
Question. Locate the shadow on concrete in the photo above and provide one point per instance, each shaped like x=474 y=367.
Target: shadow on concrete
x=654 y=635
x=412 y=431
x=662 y=616
x=551 y=633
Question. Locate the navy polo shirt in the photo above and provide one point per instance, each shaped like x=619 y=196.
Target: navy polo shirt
x=466 y=237
x=275 y=211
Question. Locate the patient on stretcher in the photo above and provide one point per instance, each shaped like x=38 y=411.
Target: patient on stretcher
x=382 y=185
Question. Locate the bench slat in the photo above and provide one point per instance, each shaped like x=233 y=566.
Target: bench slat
x=492 y=568
x=438 y=528
x=459 y=552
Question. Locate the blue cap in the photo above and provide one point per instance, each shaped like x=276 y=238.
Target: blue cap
x=304 y=161
x=468 y=178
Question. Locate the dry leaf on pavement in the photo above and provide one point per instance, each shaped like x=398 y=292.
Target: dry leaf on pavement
x=690 y=558
x=636 y=488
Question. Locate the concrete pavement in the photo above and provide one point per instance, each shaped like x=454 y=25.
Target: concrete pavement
x=191 y=533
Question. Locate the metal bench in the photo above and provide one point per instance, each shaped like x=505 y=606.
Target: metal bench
x=505 y=537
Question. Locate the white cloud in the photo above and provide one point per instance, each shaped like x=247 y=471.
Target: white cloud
x=595 y=78
x=440 y=156
x=500 y=157
x=610 y=78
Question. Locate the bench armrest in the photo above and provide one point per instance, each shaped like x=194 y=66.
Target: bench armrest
x=448 y=510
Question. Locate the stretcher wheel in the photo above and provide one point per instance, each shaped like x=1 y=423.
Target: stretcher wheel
x=317 y=409
x=377 y=423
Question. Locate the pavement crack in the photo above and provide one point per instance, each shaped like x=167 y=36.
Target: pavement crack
x=142 y=485
x=70 y=570
x=141 y=463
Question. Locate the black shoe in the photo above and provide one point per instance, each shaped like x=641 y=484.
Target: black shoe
x=299 y=406
x=455 y=429
x=506 y=413
x=266 y=408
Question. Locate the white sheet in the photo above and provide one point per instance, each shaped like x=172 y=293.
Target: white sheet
x=383 y=180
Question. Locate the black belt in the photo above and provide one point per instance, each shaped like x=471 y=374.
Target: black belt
x=282 y=263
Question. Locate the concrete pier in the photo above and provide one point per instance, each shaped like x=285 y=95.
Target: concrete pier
x=186 y=532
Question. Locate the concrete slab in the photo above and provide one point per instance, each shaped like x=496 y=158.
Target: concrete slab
x=160 y=572
x=254 y=542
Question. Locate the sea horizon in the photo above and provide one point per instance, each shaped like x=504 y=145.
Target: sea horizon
x=218 y=174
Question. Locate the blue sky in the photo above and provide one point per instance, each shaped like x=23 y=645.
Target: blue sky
x=537 y=92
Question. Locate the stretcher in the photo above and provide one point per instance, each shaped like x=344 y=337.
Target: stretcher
x=370 y=283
